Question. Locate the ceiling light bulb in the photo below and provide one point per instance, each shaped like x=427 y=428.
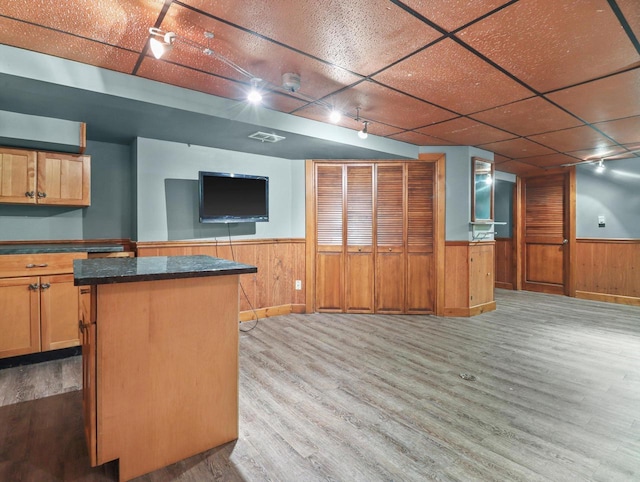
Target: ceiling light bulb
x=363 y=134
x=254 y=95
x=335 y=116
x=600 y=167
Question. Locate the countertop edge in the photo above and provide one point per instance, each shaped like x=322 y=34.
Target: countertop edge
x=88 y=281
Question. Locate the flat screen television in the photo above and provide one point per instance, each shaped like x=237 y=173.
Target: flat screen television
x=233 y=198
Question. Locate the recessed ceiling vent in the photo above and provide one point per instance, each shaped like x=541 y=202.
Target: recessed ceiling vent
x=266 y=137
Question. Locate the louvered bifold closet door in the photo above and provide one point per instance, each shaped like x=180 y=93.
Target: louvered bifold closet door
x=330 y=238
x=390 y=238
x=420 y=231
x=544 y=233
x=360 y=262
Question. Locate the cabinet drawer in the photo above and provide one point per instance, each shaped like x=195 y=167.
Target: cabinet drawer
x=37 y=264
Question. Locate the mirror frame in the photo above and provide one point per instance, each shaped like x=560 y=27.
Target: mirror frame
x=474 y=161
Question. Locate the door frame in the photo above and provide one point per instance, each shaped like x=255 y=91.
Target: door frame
x=569 y=225
x=439 y=161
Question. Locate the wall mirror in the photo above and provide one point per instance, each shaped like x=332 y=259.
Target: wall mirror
x=482 y=186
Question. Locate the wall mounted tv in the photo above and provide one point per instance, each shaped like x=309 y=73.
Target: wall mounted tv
x=232 y=198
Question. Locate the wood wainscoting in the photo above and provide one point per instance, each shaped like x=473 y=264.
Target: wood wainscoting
x=469 y=278
x=608 y=270
x=505 y=264
x=271 y=291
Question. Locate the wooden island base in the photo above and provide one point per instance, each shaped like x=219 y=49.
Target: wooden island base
x=160 y=366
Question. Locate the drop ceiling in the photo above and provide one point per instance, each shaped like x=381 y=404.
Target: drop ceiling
x=541 y=83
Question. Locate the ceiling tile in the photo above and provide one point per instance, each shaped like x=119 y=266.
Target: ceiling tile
x=631 y=11
x=498 y=158
x=551 y=44
x=550 y=160
x=451 y=14
x=448 y=75
x=262 y=58
x=517 y=148
x=59 y=44
x=466 y=132
x=605 y=99
x=343 y=33
x=527 y=117
x=519 y=168
x=378 y=102
x=623 y=131
x=124 y=23
x=418 y=139
x=572 y=139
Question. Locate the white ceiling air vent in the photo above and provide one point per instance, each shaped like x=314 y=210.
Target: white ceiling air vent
x=266 y=137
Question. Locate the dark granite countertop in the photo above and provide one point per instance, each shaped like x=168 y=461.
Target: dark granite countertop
x=60 y=248
x=125 y=270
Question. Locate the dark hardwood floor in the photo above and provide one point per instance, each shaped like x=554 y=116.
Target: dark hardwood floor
x=556 y=396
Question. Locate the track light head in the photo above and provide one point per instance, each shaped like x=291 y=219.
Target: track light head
x=335 y=116
x=363 y=134
x=161 y=42
x=600 y=167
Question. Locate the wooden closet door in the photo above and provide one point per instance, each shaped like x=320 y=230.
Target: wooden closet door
x=390 y=234
x=545 y=233
x=359 y=258
x=329 y=235
x=420 y=256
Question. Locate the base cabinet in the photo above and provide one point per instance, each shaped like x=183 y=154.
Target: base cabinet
x=38 y=303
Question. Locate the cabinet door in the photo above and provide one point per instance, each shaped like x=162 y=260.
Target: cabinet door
x=59 y=312
x=390 y=234
x=17 y=176
x=481 y=277
x=86 y=316
x=359 y=266
x=64 y=179
x=19 y=316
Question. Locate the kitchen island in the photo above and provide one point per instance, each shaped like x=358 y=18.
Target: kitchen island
x=160 y=357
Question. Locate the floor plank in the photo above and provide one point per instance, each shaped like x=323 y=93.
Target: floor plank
x=379 y=397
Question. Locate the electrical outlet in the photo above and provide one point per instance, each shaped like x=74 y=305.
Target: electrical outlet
x=298 y=284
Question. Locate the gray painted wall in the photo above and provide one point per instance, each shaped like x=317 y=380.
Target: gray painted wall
x=614 y=194
x=167 y=192
x=458 y=188
x=109 y=215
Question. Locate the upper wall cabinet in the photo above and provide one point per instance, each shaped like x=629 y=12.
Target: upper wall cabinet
x=30 y=177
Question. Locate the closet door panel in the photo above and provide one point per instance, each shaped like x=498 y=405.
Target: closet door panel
x=330 y=238
x=360 y=259
x=390 y=238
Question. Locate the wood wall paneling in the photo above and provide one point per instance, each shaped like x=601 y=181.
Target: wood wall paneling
x=504 y=262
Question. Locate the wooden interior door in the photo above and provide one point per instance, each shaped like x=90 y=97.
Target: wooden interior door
x=390 y=233
x=329 y=279
x=359 y=273
x=546 y=223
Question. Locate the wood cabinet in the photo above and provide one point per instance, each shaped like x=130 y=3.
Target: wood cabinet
x=87 y=326
x=48 y=178
x=374 y=237
x=469 y=278
x=38 y=303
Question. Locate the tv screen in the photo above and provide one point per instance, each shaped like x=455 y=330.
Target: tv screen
x=233 y=198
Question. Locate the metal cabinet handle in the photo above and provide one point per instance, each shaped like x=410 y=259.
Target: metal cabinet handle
x=41 y=265
x=42 y=194
x=45 y=286
x=34 y=286
x=29 y=194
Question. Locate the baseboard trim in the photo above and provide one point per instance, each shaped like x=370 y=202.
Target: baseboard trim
x=621 y=300
x=503 y=285
x=471 y=311
x=250 y=315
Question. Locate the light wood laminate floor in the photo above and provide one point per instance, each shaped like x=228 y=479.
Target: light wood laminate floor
x=556 y=396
